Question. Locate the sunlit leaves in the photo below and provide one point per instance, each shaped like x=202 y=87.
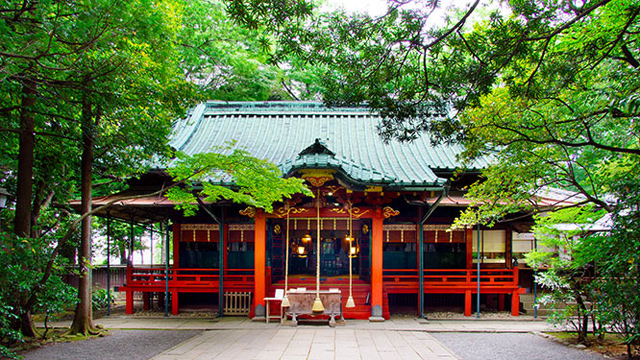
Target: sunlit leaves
x=230 y=174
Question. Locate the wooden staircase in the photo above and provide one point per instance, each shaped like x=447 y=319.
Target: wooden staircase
x=361 y=291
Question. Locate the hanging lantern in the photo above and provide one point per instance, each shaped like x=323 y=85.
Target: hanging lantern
x=354 y=250
x=301 y=251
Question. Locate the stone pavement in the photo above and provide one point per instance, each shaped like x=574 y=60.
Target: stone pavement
x=240 y=338
x=520 y=324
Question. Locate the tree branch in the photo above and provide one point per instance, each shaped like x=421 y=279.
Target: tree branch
x=456 y=26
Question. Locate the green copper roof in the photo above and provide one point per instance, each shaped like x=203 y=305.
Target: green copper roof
x=285 y=133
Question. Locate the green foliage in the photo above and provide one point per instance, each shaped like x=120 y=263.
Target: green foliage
x=100 y=299
x=599 y=276
x=547 y=91
x=119 y=73
x=120 y=238
x=23 y=263
x=255 y=182
x=56 y=298
x=7 y=334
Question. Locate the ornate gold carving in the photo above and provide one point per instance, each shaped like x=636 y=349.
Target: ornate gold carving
x=365 y=229
x=339 y=210
x=317 y=177
x=281 y=212
x=373 y=189
x=358 y=213
x=249 y=211
x=388 y=212
x=277 y=230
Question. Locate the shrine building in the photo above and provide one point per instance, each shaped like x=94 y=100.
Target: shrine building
x=377 y=231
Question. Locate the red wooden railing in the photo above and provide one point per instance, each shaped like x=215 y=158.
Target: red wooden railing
x=452 y=278
x=186 y=277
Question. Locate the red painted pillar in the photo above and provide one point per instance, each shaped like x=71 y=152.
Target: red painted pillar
x=376 y=266
x=129 y=305
x=129 y=302
x=467 y=303
x=515 y=303
x=515 y=297
x=260 y=263
x=174 y=303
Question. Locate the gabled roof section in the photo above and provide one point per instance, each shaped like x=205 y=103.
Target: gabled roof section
x=317 y=148
x=319 y=156
x=285 y=133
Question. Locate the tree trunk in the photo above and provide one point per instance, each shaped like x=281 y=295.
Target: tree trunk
x=26 y=325
x=583 y=319
x=83 y=319
x=41 y=200
x=24 y=191
x=123 y=253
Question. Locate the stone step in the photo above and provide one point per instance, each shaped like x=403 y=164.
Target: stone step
x=527 y=301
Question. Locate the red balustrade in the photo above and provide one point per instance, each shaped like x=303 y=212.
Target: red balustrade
x=457 y=281
x=179 y=276
x=452 y=277
x=181 y=280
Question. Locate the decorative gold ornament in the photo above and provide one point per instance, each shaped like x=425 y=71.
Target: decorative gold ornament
x=317 y=177
x=338 y=210
x=358 y=213
x=249 y=211
x=388 y=212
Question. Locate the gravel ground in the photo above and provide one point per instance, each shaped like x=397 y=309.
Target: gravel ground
x=119 y=345
x=509 y=346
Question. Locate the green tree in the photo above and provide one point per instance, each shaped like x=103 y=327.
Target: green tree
x=103 y=81
x=120 y=237
x=548 y=91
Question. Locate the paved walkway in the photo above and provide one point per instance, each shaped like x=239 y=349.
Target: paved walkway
x=239 y=338
x=520 y=324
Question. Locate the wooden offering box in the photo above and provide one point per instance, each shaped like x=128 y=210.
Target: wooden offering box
x=301 y=301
